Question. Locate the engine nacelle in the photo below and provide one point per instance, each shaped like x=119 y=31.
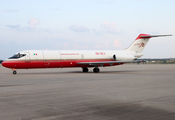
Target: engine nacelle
x=124 y=57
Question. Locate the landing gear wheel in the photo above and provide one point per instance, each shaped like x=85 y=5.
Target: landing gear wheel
x=85 y=69
x=14 y=72
x=96 y=70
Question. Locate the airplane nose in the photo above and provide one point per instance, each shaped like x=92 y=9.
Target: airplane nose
x=3 y=63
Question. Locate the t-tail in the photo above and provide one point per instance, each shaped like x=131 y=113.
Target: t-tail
x=140 y=42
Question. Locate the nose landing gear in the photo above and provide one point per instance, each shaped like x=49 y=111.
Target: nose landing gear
x=14 y=71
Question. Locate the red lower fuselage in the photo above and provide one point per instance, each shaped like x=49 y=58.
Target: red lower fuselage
x=49 y=64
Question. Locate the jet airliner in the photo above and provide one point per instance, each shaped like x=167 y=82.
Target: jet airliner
x=31 y=59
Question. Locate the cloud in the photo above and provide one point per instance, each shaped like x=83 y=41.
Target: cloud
x=103 y=44
x=57 y=31
x=65 y=44
x=78 y=28
x=13 y=26
x=47 y=30
x=31 y=28
x=109 y=27
x=117 y=43
x=80 y=47
x=97 y=32
x=20 y=29
x=108 y=44
x=33 y=22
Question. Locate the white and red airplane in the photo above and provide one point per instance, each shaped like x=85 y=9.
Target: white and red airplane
x=78 y=58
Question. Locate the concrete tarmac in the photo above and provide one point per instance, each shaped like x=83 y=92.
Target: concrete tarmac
x=126 y=92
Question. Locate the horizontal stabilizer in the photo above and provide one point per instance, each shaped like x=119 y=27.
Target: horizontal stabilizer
x=150 y=36
x=142 y=36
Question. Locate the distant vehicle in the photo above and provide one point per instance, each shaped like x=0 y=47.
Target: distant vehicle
x=1 y=61
x=78 y=58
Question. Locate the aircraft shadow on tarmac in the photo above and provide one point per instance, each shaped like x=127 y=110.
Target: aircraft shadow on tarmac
x=119 y=111
x=133 y=112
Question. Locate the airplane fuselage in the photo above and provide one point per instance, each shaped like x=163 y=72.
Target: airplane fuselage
x=66 y=58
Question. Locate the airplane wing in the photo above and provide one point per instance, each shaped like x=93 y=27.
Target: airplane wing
x=106 y=62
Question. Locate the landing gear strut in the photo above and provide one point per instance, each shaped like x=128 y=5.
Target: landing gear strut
x=14 y=71
x=85 y=69
x=96 y=70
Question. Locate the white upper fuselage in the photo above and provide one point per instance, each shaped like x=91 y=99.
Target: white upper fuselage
x=78 y=55
x=69 y=58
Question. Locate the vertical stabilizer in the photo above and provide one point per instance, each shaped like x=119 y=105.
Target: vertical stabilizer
x=140 y=42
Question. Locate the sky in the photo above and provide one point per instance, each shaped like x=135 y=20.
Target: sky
x=86 y=25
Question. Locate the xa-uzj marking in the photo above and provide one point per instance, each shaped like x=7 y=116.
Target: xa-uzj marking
x=78 y=58
x=100 y=53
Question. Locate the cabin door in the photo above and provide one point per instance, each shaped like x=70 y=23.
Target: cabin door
x=82 y=56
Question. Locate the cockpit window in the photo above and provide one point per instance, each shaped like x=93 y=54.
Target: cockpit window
x=16 y=56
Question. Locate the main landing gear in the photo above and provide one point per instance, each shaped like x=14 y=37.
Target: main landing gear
x=95 y=70
x=14 y=71
x=85 y=69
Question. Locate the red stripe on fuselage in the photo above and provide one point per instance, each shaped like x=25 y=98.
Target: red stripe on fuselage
x=49 y=63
